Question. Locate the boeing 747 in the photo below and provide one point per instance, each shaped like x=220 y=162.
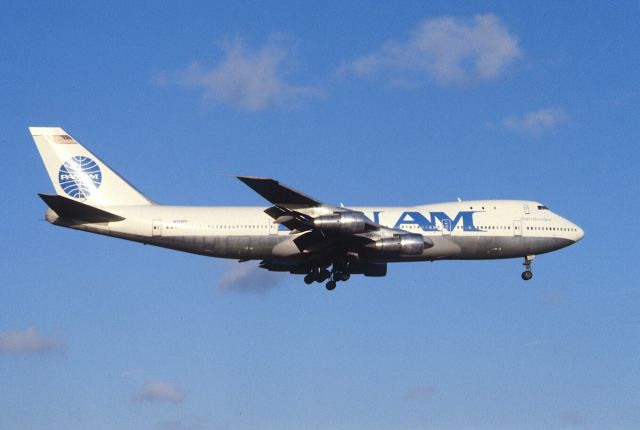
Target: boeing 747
x=296 y=233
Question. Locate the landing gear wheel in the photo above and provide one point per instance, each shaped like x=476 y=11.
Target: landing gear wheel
x=331 y=285
x=323 y=275
x=309 y=278
x=527 y=274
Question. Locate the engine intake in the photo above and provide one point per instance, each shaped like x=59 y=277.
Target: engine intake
x=406 y=244
x=348 y=222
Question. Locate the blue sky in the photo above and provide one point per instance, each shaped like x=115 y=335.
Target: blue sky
x=381 y=103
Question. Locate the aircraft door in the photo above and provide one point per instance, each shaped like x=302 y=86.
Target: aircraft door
x=273 y=228
x=446 y=227
x=156 y=228
x=517 y=227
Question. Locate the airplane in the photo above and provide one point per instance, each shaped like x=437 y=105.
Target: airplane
x=296 y=233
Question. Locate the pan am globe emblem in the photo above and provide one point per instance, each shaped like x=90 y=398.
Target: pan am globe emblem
x=79 y=176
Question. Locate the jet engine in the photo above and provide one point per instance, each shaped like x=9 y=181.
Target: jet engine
x=347 y=222
x=405 y=244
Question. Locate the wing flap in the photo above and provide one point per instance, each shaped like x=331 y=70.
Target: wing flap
x=291 y=219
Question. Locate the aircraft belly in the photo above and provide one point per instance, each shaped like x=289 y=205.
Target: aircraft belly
x=443 y=247
x=237 y=247
x=493 y=247
x=282 y=247
x=240 y=247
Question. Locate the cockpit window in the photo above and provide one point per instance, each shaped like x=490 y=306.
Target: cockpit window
x=542 y=207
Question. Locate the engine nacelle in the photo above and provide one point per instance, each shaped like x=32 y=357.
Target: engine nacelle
x=406 y=244
x=348 y=222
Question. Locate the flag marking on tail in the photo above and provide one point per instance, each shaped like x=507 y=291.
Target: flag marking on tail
x=64 y=139
x=79 y=176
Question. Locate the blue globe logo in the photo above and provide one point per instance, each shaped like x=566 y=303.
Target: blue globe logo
x=79 y=176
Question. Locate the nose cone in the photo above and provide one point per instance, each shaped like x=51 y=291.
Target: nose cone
x=578 y=234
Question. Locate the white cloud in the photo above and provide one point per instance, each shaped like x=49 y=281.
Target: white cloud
x=537 y=121
x=448 y=49
x=26 y=341
x=246 y=79
x=160 y=391
x=248 y=278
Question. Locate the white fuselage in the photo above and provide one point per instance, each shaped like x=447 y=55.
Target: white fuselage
x=483 y=229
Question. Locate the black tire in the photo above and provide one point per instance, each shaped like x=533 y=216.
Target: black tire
x=331 y=285
x=309 y=278
x=324 y=275
x=345 y=276
x=527 y=274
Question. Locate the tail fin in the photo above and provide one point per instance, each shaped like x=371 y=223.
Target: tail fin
x=77 y=173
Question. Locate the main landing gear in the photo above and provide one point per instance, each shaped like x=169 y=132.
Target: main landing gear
x=320 y=274
x=317 y=274
x=337 y=275
x=527 y=274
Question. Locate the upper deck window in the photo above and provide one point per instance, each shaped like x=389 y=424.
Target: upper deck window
x=542 y=207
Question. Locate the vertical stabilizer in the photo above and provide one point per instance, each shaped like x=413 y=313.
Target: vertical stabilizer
x=77 y=173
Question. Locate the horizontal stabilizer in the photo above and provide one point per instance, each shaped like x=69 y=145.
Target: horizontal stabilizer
x=68 y=208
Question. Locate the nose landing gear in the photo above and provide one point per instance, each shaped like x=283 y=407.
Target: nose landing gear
x=527 y=274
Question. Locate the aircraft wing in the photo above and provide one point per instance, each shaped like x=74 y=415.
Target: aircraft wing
x=295 y=210
x=279 y=194
x=326 y=230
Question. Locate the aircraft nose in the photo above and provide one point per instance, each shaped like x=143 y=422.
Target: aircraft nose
x=579 y=234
